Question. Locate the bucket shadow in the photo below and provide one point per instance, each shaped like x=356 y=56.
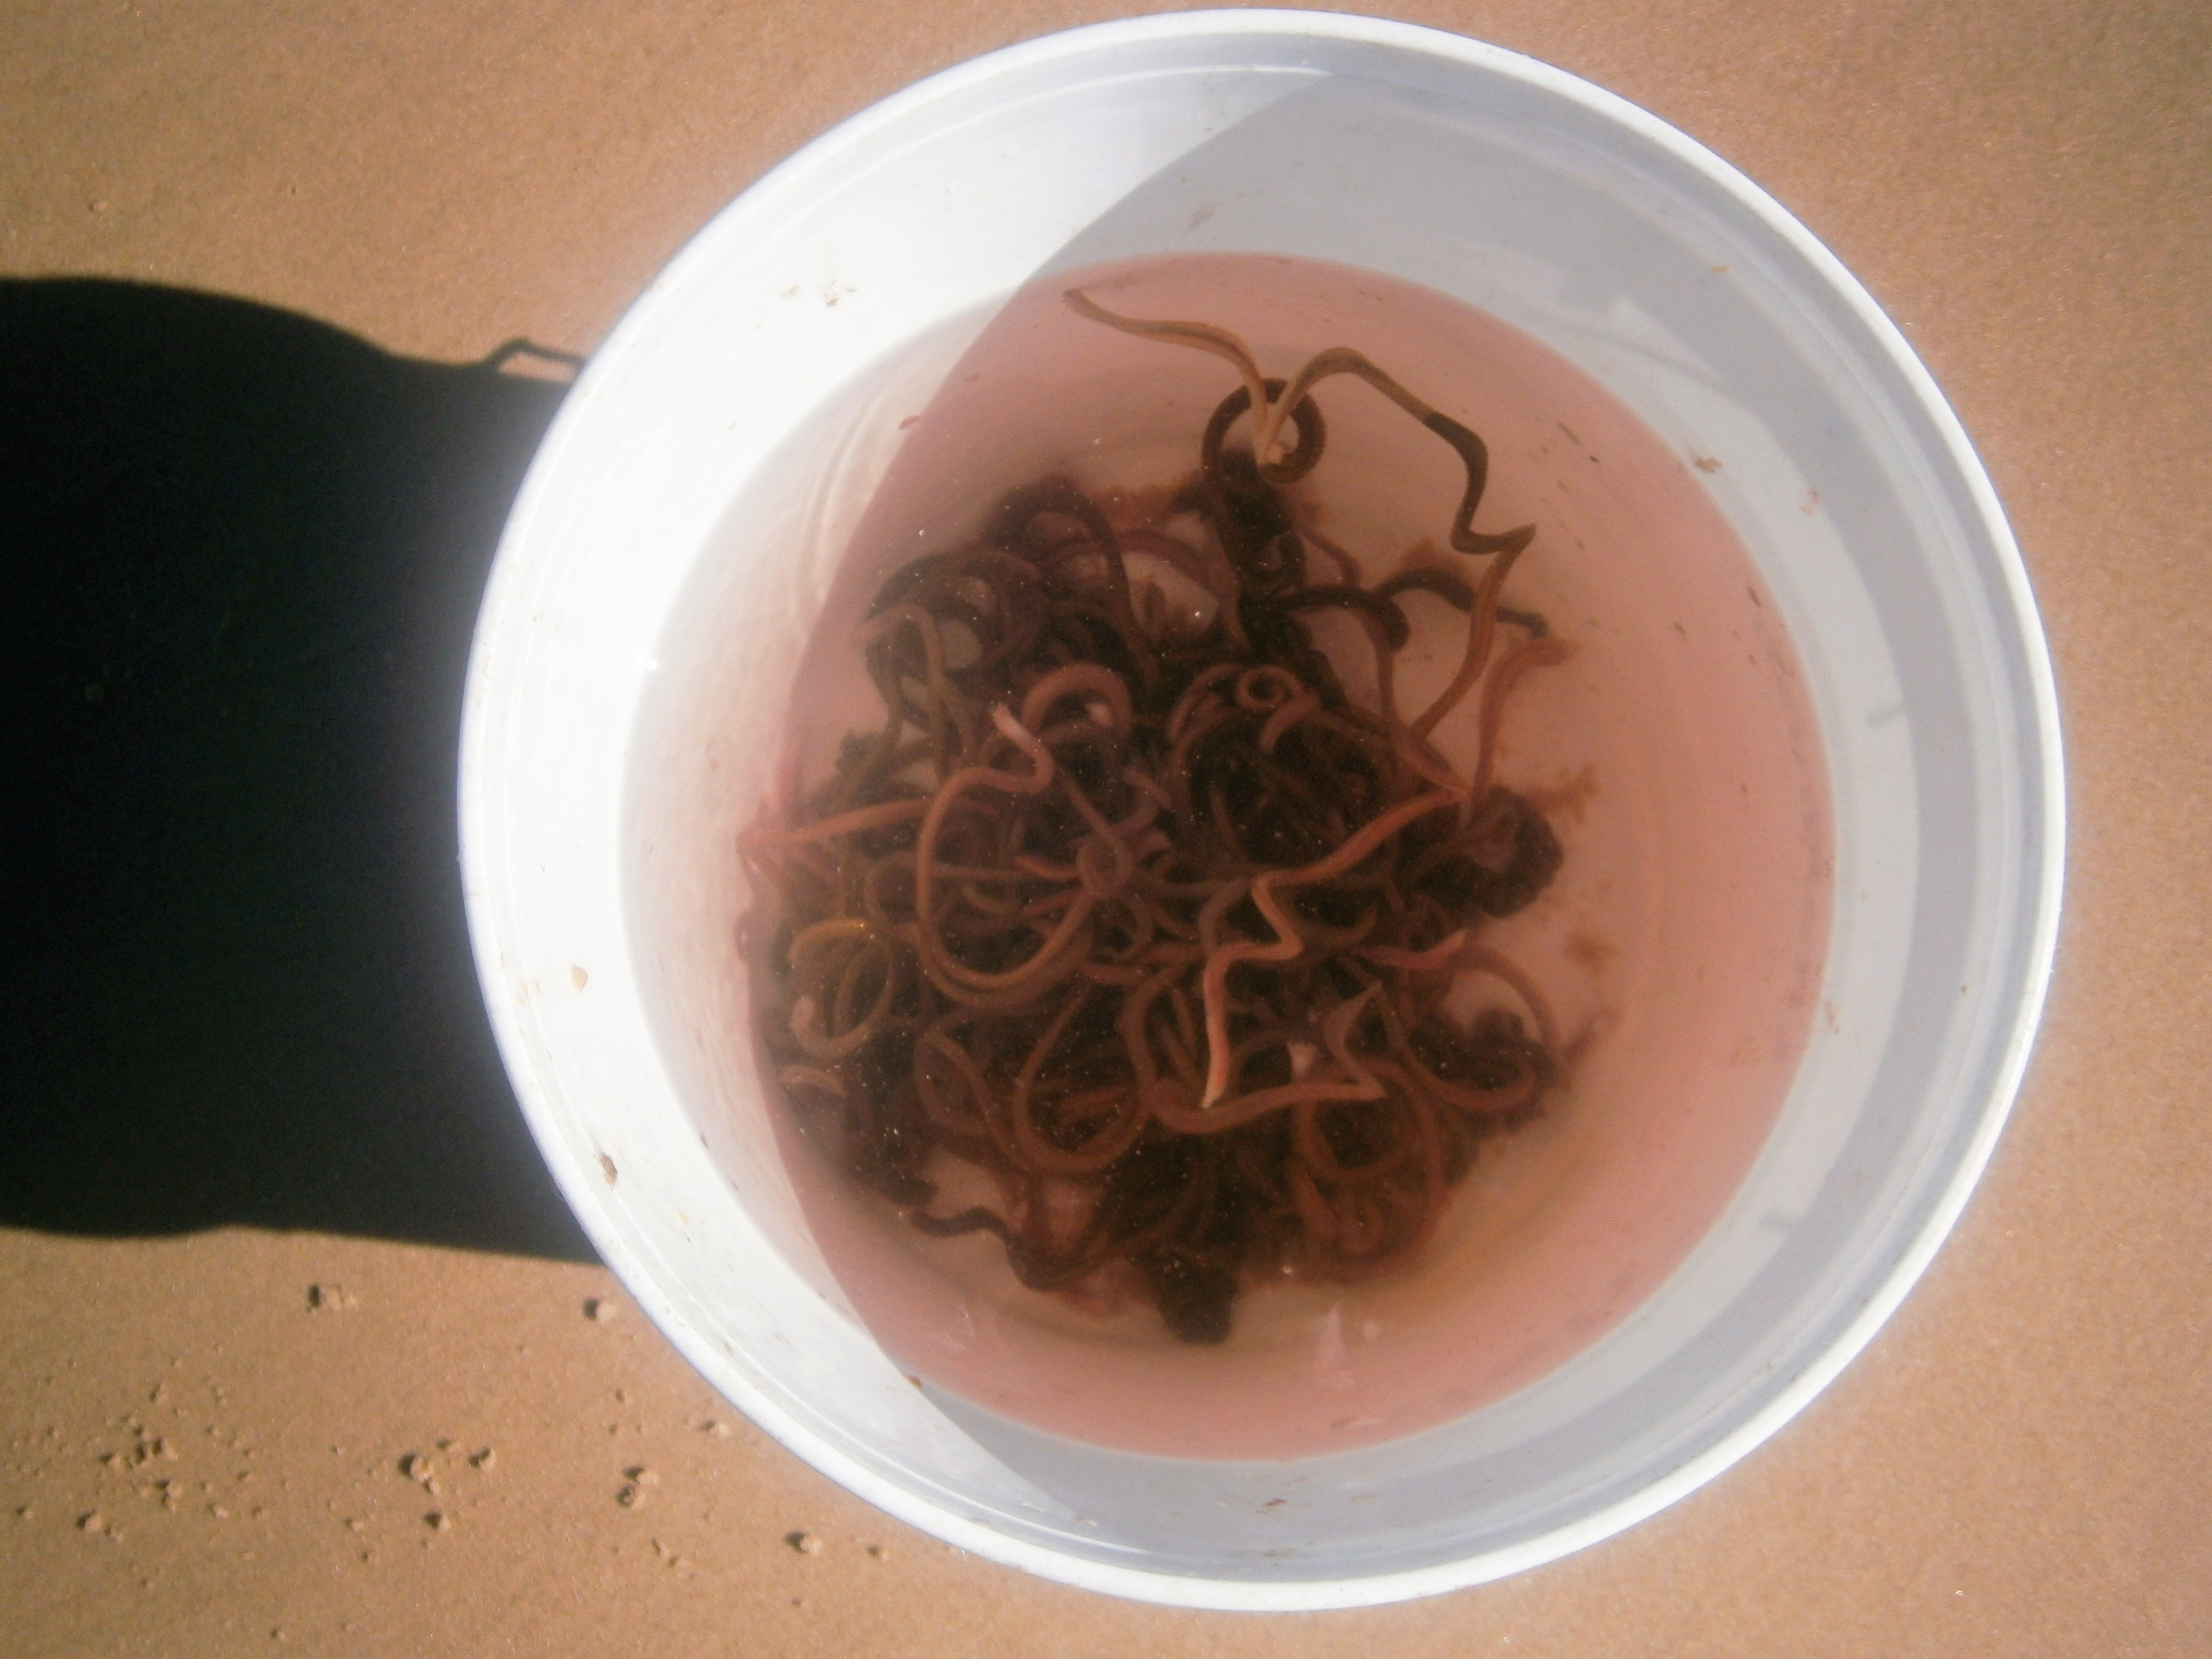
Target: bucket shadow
x=242 y=555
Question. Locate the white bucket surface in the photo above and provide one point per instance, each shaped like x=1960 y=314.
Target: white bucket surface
x=606 y=948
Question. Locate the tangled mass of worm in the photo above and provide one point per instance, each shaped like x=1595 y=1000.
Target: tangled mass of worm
x=1130 y=906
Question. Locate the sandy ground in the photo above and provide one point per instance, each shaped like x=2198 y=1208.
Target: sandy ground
x=296 y=1349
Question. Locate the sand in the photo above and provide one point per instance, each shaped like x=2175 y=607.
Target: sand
x=297 y=1351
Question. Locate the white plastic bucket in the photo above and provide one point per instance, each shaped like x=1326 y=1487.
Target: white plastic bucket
x=603 y=932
